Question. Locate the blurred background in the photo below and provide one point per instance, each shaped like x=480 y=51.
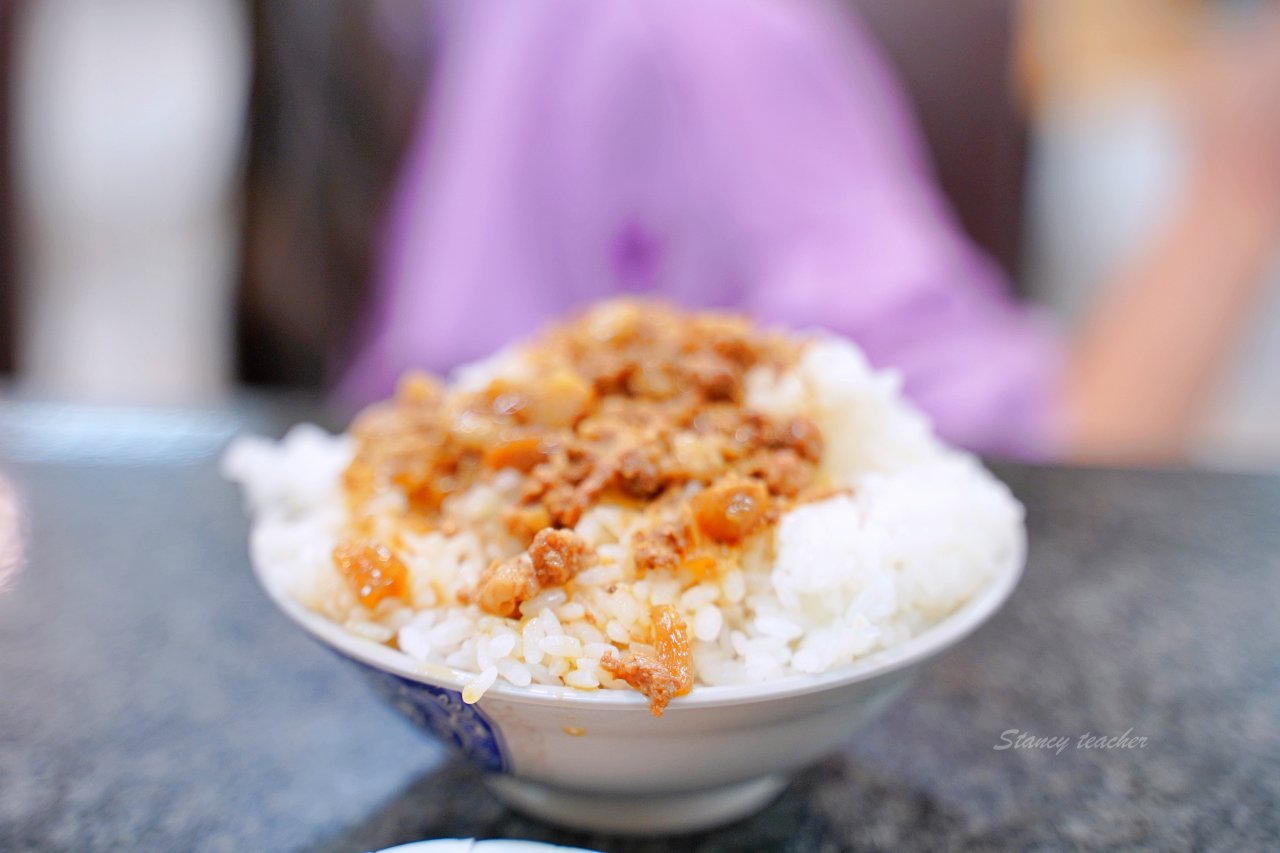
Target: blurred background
x=195 y=194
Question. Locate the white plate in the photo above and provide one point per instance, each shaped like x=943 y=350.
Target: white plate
x=470 y=845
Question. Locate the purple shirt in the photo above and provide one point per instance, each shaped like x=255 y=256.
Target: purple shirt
x=748 y=154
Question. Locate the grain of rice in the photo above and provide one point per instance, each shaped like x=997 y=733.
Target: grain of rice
x=595 y=651
x=515 y=672
x=571 y=611
x=450 y=632
x=599 y=576
x=502 y=645
x=476 y=687
x=562 y=645
x=616 y=632
x=733 y=586
x=548 y=599
x=697 y=596
x=708 y=622
x=414 y=642
x=584 y=632
x=777 y=626
x=550 y=624
x=581 y=679
x=531 y=640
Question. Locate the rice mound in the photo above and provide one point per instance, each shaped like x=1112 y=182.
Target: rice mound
x=918 y=529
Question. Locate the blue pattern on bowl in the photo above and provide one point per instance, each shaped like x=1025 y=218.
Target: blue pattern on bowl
x=442 y=713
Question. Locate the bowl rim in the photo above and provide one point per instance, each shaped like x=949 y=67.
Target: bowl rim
x=930 y=642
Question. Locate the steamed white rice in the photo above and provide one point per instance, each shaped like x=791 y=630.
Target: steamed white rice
x=922 y=529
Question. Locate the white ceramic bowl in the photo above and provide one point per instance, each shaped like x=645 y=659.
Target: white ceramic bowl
x=598 y=760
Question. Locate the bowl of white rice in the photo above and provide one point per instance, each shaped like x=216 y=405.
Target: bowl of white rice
x=640 y=567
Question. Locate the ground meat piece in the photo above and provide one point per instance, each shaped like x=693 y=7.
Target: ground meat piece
x=577 y=464
x=506 y=584
x=653 y=381
x=568 y=489
x=661 y=547
x=783 y=471
x=542 y=478
x=524 y=522
x=730 y=510
x=608 y=375
x=553 y=558
x=558 y=555
x=798 y=434
x=666 y=676
x=729 y=337
x=737 y=348
x=600 y=477
x=716 y=418
x=564 y=505
x=644 y=674
x=712 y=377
x=639 y=471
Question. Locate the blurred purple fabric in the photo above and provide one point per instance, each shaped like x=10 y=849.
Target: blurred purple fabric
x=753 y=155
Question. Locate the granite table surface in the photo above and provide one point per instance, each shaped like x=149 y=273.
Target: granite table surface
x=152 y=699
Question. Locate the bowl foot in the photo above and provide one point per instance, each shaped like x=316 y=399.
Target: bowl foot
x=637 y=814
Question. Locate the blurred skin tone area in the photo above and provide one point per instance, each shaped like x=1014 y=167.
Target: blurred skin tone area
x=1166 y=320
x=769 y=162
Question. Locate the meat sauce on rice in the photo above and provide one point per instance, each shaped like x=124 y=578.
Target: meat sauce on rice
x=615 y=504
x=630 y=404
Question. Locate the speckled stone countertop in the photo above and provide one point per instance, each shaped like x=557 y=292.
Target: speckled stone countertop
x=152 y=699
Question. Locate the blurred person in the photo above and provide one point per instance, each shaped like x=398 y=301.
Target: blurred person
x=751 y=156
x=760 y=157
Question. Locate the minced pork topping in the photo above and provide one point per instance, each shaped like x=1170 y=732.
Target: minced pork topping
x=629 y=403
